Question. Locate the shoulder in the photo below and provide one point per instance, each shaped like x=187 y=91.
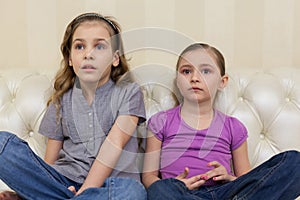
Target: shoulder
x=129 y=92
x=125 y=87
x=163 y=117
x=228 y=119
x=164 y=114
x=67 y=95
x=232 y=124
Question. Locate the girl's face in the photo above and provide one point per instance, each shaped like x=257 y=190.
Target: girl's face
x=91 y=53
x=199 y=78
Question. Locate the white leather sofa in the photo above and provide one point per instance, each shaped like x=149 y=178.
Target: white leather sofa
x=268 y=102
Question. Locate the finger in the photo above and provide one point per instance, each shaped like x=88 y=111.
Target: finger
x=193 y=179
x=72 y=189
x=220 y=178
x=209 y=174
x=214 y=164
x=224 y=177
x=184 y=174
x=197 y=184
x=217 y=171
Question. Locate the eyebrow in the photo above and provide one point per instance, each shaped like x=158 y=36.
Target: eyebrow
x=186 y=65
x=201 y=65
x=206 y=65
x=95 y=40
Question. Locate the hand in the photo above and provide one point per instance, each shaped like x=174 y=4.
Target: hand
x=219 y=173
x=72 y=189
x=191 y=183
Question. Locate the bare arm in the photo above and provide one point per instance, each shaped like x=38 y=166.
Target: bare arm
x=52 y=150
x=152 y=165
x=151 y=160
x=114 y=143
x=241 y=164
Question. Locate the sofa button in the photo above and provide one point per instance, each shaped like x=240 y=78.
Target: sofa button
x=287 y=99
x=241 y=99
x=30 y=134
x=262 y=136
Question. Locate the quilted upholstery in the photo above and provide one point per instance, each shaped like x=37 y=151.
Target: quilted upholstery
x=267 y=102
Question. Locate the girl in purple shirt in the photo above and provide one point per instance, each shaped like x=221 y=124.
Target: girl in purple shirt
x=190 y=148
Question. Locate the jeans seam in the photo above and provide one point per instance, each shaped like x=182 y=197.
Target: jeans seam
x=14 y=186
x=180 y=184
x=7 y=139
x=262 y=180
x=34 y=159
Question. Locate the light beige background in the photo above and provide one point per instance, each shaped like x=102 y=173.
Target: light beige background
x=250 y=33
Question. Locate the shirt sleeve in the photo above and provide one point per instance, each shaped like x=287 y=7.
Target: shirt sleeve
x=239 y=133
x=49 y=126
x=132 y=102
x=156 y=124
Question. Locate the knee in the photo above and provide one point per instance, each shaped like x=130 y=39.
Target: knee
x=294 y=156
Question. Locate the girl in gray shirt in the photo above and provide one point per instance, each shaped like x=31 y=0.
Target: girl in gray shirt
x=90 y=123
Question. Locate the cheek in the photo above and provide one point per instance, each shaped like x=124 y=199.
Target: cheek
x=105 y=57
x=182 y=82
x=74 y=59
x=213 y=85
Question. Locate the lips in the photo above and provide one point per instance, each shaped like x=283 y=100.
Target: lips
x=88 y=67
x=196 y=89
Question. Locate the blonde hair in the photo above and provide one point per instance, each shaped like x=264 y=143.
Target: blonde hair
x=65 y=77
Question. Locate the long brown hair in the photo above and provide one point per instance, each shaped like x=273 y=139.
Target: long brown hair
x=65 y=77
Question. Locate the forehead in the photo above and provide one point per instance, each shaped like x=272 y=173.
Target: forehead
x=197 y=57
x=92 y=29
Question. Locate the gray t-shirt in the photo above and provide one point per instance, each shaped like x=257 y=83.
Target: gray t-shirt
x=83 y=128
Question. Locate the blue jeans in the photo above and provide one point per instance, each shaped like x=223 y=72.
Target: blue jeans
x=277 y=178
x=27 y=174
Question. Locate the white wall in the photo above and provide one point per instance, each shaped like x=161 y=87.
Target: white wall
x=250 y=33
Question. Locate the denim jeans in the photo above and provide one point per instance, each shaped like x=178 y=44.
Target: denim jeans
x=27 y=174
x=277 y=178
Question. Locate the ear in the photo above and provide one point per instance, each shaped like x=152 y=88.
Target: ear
x=70 y=62
x=223 y=83
x=116 y=59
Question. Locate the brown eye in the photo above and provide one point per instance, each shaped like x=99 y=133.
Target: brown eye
x=185 y=71
x=79 y=46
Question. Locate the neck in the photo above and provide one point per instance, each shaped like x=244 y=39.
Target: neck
x=198 y=116
x=197 y=108
x=89 y=90
x=89 y=96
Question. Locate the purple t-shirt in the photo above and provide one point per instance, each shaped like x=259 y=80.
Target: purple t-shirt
x=184 y=146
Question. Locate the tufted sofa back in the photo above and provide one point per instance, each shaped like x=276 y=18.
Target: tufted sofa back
x=267 y=102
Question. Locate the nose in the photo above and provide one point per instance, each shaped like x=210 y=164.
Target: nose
x=89 y=54
x=196 y=76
